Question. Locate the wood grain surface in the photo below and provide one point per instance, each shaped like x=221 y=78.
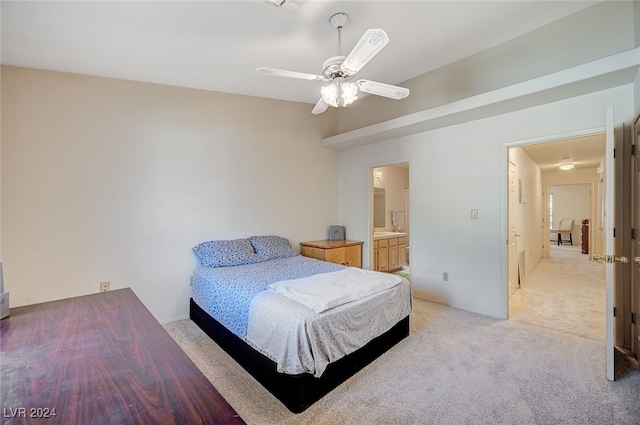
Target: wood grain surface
x=100 y=359
x=327 y=244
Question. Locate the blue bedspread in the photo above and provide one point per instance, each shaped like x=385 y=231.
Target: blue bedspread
x=226 y=292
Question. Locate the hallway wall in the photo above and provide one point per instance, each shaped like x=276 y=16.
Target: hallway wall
x=529 y=214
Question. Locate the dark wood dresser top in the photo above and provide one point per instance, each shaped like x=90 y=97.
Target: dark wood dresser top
x=100 y=359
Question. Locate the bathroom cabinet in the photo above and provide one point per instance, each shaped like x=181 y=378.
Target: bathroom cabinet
x=389 y=251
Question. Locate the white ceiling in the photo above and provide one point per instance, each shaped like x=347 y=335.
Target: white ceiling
x=583 y=152
x=217 y=45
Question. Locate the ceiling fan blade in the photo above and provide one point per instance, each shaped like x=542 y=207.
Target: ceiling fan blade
x=369 y=45
x=320 y=107
x=292 y=6
x=289 y=74
x=381 y=89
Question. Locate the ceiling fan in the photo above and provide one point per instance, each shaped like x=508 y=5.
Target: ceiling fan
x=339 y=71
x=291 y=6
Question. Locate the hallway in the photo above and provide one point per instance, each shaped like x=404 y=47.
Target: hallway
x=565 y=293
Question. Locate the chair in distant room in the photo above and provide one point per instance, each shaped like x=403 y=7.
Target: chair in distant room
x=564 y=227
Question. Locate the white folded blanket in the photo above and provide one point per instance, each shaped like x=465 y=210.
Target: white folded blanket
x=323 y=291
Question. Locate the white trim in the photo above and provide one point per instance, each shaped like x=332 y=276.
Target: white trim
x=557 y=137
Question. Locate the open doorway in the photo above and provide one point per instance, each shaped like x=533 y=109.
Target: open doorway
x=564 y=284
x=390 y=220
x=549 y=260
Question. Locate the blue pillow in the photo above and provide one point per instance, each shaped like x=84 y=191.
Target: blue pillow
x=226 y=253
x=270 y=247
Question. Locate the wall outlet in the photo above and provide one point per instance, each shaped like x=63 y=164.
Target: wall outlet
x=105 y=286
x=445 y=276
x=474 y=214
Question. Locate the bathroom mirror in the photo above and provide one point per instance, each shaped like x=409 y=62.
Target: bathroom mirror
x=378 y=207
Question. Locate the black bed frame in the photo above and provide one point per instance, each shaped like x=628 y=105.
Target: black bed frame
x=296 y=392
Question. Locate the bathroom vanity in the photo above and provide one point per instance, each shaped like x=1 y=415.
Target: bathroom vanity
x=390 y=251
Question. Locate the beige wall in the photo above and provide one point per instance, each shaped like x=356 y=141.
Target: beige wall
x=571 y=202
x=113 y=180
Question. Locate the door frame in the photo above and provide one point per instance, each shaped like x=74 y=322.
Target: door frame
x=512 y=235
x=635 y=251
x=615 y=278
x=504 y=292
x=504 y=287
x=368 y=243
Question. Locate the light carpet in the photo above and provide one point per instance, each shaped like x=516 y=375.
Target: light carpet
x=458 y=367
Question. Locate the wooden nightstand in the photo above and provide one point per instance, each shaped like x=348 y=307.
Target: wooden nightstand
x=348 y=253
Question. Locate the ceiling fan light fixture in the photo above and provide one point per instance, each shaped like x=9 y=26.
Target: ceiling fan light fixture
x=349 y=93
x=330 y=94
x=567 y=166
x=338 y=93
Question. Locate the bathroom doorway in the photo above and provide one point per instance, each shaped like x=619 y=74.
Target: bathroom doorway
x=390 y=247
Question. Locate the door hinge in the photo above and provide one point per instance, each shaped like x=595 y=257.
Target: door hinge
x=633 y=149
x=614 y=232
x=614 y=153
x=633 y=234
x=633 y=318
x=614 y=312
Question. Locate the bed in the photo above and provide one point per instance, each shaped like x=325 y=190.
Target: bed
x=298 y=343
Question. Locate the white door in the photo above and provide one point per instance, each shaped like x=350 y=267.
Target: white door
x=609 y=252
x=635 y=288
x=512 y=233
